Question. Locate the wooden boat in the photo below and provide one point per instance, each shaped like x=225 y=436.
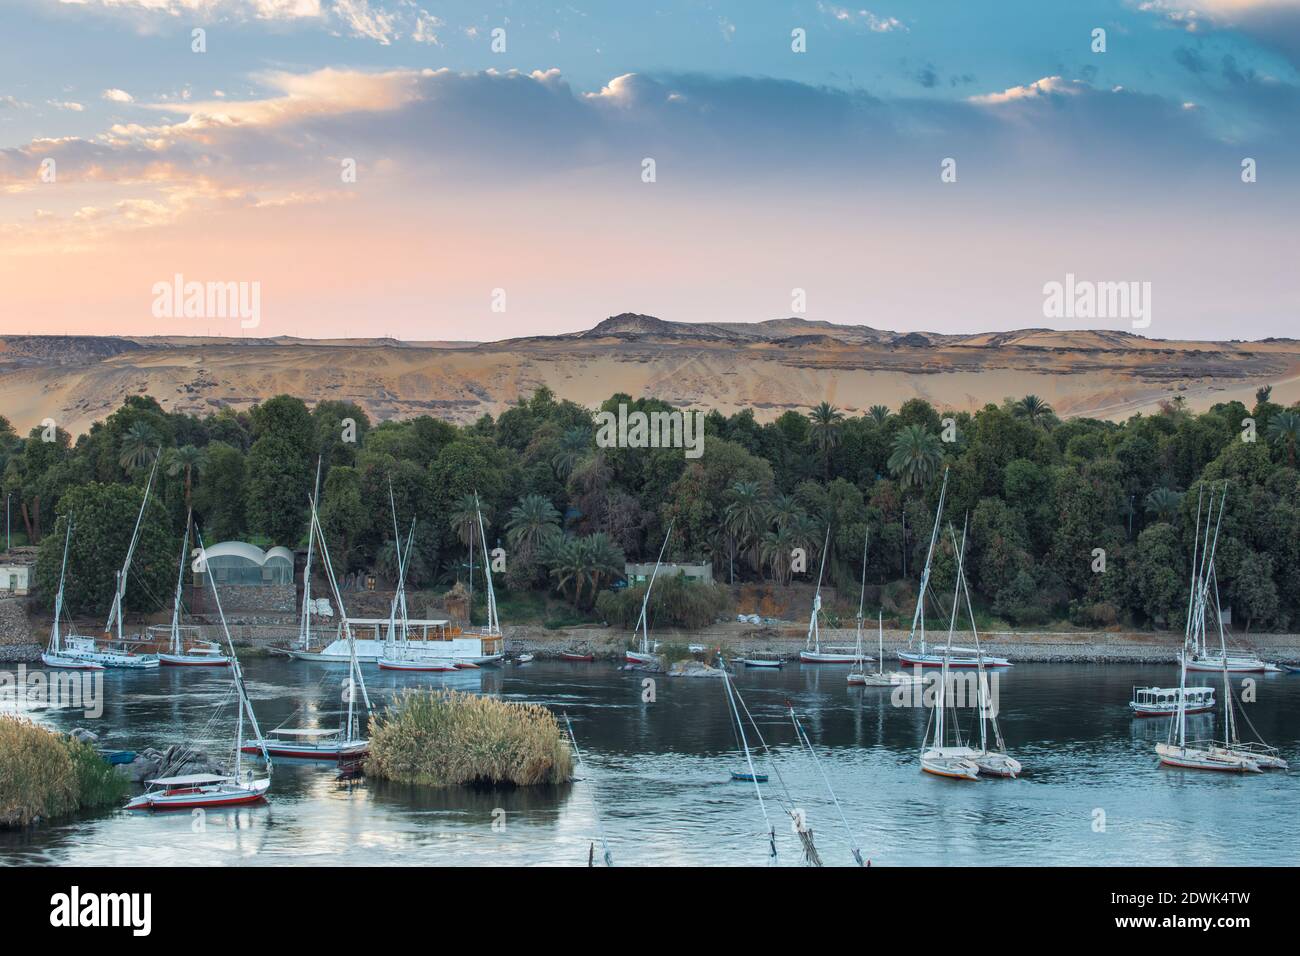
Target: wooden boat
x=1202 y=758
x=749 y=777
x=184 y=649
x=954 y=762
x=211 y=790
x=859 y=676
x=965 y=658
x=761 y=661
x=1163 y=701
x=420 y=664
x=646 y=650
x=1233 y=665
x=524 y=659
x=309 y=743
x=572 y=656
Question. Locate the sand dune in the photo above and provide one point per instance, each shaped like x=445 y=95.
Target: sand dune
x=770 y=367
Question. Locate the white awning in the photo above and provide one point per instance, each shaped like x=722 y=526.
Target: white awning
x=189 y=779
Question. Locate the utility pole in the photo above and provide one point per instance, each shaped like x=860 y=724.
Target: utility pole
x=7 y=497
x=904 y=543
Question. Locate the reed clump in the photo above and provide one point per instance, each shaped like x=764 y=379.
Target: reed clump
x=445 y=738
x=44 y=775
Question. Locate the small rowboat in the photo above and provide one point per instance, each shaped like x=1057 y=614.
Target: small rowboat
x=116 y=758
x=571 y=656
x=1292 y=668
x=466 y=666
x=762 y=661
x=952 y=762
x=524 y=659
x=832 y=655
x=749 y=777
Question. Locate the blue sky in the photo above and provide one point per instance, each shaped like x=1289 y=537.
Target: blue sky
x=519 y=169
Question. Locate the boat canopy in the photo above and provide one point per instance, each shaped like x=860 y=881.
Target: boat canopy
x=306 y=731
x=192 y=779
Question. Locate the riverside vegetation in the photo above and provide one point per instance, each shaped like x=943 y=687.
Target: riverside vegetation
x=444 y=738
x=44 y=775
x=1043 y=495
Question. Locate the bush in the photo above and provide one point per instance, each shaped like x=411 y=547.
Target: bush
x=444 y=738
x=44 y=775
x=676 y=602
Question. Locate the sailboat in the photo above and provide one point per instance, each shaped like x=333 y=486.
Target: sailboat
x=1229 y=756
x=813 y=652
x=210 y=789
x=75 y=647
x=53 y=655
x=191 y=653
x=961 y=657
x=1202 y=658
x=957 y=760
x=994 y=760
x=646 y=651
x=323 y=743
x=859 y=675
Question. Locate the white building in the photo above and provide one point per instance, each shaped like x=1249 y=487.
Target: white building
x=14 y=579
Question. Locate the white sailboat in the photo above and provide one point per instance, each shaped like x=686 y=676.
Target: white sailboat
x=88 y=650
x=991 y=756
x=53 y=655
x=813 y=652
x=242 y=786
x=184 y=649
x=324 y=743
x=859 y=675
x=646 y=650
x=1177 y=751
x=959 y=657
x=940 y=758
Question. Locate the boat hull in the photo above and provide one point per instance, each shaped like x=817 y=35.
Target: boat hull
x=59 y=662
x=226 y=796
x=326 y=751
x=936 y=660
x=893 y=679
x=566 y=656
x=834 y=657
x=750 y=662
x=637 y=657
x=389 y=664
x=993 y=764
x=1236 y=665
x=1140 y=710
x=1194 y=758
x=193 y=660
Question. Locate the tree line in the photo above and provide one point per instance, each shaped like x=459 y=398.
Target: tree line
x=1039 y=495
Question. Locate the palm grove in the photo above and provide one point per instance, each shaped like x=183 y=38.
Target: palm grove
x=1040 y=494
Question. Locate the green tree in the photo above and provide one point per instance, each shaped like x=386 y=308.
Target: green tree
x=1034 y=409
x=1284 y=431
x=916 y=456
x=530 y=523
x=281 y=469
x=824 y=430
x=186 y=460
x=139 y=445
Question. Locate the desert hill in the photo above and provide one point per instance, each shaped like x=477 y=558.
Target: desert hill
x=769 y=366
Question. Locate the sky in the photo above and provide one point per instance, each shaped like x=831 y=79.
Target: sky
x=477 y=170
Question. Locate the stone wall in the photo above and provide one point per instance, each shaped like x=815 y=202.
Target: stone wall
x=257 y=598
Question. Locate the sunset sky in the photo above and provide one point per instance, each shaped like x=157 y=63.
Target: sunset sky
x=522 y=170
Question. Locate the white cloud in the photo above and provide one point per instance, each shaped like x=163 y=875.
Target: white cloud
x=877 y=24
x=1047 y=86
x=115 y=95
x=66 y=105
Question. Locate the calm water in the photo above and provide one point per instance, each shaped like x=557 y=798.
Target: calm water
x=659 y=773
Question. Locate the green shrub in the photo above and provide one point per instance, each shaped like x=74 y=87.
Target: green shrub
x=44 y=775
x=675 y=602
x=444 y=738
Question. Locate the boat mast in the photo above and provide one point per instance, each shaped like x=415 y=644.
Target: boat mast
x=236 y=672
x=918 y=616
x=354 y=669
x=862 y=597
x=814 y=632
x=56 y=639
x=643 y=621
x=493 y=623
x=753 y=774
x=115 y=613
x=304 y=628
x=180 y=581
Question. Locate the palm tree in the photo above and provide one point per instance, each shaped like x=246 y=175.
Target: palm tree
x=464 y=521
x=530 y=523
x=879 y=414
x=783 y=510
x=826 y=420
x=1284 y=430
x=1163 y=503
x=744 y=516
x=138 y=446
x=579 y=562
x=775 y=550
x=605 y=559
x=574 y=443
x=1263 y=394
x=916 y=456
x=190 y=460
x=1033 y=408
x=592 y=473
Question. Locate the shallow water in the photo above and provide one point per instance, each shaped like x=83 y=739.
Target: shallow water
x=660 y=774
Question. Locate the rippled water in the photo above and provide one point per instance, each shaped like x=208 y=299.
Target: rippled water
x=660 y=771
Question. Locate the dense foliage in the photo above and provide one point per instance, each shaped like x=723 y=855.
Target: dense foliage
x=1042 y=494
x=45 y=775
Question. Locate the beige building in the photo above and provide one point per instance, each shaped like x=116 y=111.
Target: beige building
x=15 y=579
x=640 y=573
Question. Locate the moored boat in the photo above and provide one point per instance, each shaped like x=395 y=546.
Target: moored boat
x=309 y=743
x=573 y=656
x=184 y=648
x=1163 y=701
x=645 y=650
x=813 y=652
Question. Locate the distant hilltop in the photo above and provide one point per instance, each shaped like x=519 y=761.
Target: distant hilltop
x=770 y=367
